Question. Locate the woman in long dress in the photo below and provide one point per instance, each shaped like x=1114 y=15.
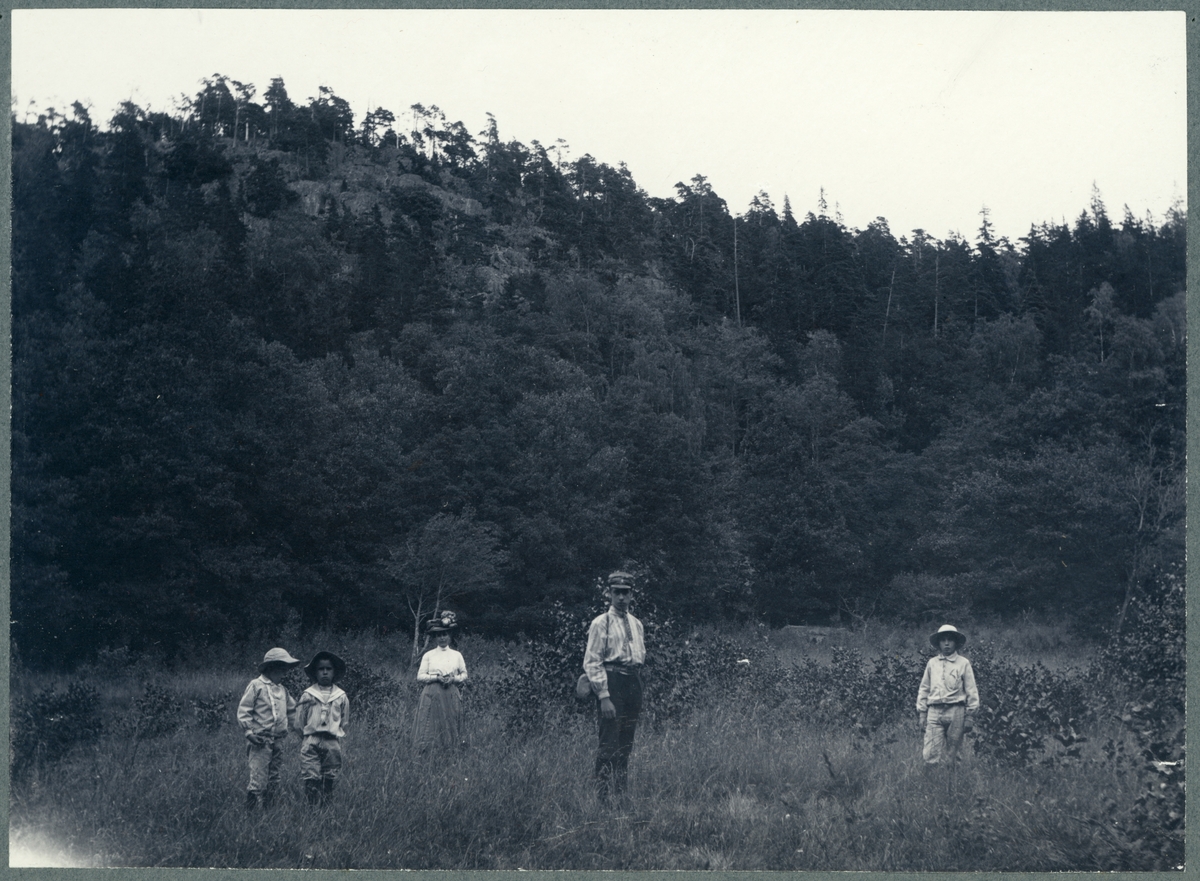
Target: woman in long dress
x=439 y=711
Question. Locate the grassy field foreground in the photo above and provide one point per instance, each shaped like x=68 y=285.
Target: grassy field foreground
x=746 y=772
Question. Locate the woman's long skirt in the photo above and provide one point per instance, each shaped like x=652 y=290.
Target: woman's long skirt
x=439 y=718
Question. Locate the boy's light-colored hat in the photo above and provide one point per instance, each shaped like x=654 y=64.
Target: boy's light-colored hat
x=620 y=580
x=278 y=656
x=948 y=630
x=339 y=666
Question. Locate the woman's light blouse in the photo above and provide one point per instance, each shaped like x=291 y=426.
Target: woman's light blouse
x=439 y=662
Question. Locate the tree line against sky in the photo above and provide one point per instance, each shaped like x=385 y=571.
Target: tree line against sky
x=267 y=362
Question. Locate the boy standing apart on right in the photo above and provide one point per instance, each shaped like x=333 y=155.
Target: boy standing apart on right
x=322 y=717
x=947 y=700
x=265 y=713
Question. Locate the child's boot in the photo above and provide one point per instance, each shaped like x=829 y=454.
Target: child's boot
x=328 y=784
x=312 y=791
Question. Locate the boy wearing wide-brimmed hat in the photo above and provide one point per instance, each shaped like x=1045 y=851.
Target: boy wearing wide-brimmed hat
x=948 y=698
x=322 y=717
x=616 y=651
x=265 y=712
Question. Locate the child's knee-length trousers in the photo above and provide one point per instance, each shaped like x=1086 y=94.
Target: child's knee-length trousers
x=320 y=757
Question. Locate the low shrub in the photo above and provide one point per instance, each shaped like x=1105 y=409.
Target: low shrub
x=1022 y=708
x=890 y=691
x=1140 y=678
x=368 y=690
x=848 y=691
x=46 y=726
x=1152 y=827
x=1148 y=659
x=215 y=711
x=295 y=681
x=537 y=693
x=157 y=712
x=686 y=672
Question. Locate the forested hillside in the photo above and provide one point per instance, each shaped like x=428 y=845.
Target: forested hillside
x=266 y=360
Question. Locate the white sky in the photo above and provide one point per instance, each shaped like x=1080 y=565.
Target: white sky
x=919 y=117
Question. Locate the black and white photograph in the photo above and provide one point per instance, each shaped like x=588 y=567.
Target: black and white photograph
x=598 y=439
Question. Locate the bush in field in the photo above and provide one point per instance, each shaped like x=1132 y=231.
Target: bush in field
x=682 y=672
x=156 y=713
x=818 y=692
x=1140 y=678
x=848 y=691
x=796 y=691
x=538 y=693
x=47 y=725
x=367 y=689
x=890 y=691
x=1148 y=659
x=1022 y=708
x=1151 y=829
x=214 y=712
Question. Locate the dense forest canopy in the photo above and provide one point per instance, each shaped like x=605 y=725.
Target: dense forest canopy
x=268 y=361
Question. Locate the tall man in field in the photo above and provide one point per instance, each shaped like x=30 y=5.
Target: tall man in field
x=613 y=661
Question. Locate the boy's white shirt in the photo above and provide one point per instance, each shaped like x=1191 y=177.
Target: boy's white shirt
x=335 y=713
x=953 y=683
x=324 y=695
x=263 y=715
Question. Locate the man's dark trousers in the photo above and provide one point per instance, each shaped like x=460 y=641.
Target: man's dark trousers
x=616 y=734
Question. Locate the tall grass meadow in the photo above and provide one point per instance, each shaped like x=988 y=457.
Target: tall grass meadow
x=754 y=753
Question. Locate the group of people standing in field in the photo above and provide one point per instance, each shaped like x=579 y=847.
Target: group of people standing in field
x=947 y=698
x=267 y=713
x=947 y=701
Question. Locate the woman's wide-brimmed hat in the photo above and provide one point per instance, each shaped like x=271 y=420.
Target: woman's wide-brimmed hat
x=960 y=638
x=442 y=622
x=339 y=666
x=278 y=656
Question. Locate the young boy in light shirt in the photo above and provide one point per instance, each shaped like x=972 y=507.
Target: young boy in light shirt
x=947 y=699
x=265 y=713
x=322 y=717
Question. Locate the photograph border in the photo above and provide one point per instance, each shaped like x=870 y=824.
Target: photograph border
x=1191 y=9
